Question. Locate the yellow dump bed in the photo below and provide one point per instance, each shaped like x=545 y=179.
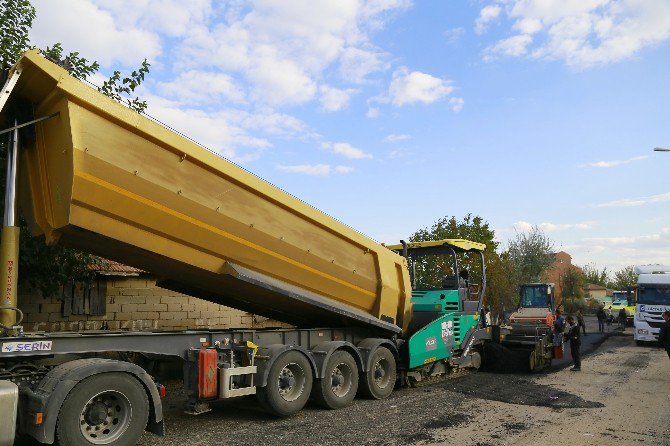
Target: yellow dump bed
x=107 y=180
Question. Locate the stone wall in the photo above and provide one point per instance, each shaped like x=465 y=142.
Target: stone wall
x=136 y=303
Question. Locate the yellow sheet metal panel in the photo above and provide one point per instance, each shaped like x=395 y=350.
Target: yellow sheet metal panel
x=457 y=244
x=115 y=183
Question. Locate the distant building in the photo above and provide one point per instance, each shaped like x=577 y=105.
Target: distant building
x=562 y=263
x=599 y=293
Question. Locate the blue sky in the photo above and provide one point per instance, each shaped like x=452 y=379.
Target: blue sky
x=390 y=114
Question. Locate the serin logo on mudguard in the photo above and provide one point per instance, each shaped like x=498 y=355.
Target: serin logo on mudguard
x=42 y=346
x=431 y=343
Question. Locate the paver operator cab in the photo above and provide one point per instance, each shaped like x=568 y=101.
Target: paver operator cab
x=97 y=176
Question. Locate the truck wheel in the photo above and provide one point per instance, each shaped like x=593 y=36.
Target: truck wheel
x=338 y=387
x=109 y=408
x=289 y=384
x=379 y=380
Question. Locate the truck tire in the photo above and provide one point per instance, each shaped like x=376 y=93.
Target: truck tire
x=289 y=384
x=339 y=385
x=108 y=408
x=379 y=380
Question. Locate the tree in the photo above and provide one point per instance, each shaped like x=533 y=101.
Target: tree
x=531 y=253
x=473 y=228
x=502 y=288
x=598 y=277
x=16 y=19
x=625 y=278
x=43 y=267
x=572 y=283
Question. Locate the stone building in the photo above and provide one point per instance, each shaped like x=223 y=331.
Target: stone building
x=126 y=298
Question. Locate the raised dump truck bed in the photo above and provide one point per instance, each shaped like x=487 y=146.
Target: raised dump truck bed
x=110 y=181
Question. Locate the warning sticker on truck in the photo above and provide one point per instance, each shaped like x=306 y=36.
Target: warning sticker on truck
x=34 y=346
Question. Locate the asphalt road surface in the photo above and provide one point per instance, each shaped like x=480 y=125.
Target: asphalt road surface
x=621 y=396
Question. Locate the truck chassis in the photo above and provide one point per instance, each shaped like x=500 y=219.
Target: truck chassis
x=284 y=366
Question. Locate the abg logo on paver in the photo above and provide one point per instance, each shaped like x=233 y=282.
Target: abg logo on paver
x=431 y=343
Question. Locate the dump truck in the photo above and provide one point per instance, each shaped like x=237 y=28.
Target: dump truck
x=91 y=174
x=532 y=322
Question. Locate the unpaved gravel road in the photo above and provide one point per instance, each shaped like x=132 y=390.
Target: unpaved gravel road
x=622 y=396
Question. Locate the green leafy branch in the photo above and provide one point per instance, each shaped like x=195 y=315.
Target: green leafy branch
x=77 y=66
x=115 y=87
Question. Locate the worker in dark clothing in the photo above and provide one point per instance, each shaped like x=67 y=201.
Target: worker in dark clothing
x=580 y=321
x=622 y=318
x=572 y=335
x=600 y=314
x=664 y=334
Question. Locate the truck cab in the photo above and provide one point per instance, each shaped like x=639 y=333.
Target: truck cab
x=653 y=299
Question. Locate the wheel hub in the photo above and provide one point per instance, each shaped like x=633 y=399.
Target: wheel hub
x=105 y=417
x=337 y=379
x=286 y=382
x=291 y=382
x=96 y=413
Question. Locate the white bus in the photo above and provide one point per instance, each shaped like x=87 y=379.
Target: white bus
x=653 y=298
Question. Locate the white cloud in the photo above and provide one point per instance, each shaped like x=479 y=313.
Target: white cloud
x=199 y=87
x=457 y=104
x=640 y=201
x=343 y=169
x=486 y=15
x=93 y=32
x=171 y=17
x=641 y=241
x=284 y=49
x=412 y=87
x=229 y=132
x=396 y=138
x=372 y=112
x=512 y=46
x=357 y=63
x=334 y=99
x=345 y=149
x=213 y=130
x=398 y=153
x=315 y=169
x=524 y=226
x=453 y=35
x=619 y=251
x=614 y=163
x=582 y=33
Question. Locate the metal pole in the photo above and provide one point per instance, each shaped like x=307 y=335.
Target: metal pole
x=10 y=190
x=9 y=246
